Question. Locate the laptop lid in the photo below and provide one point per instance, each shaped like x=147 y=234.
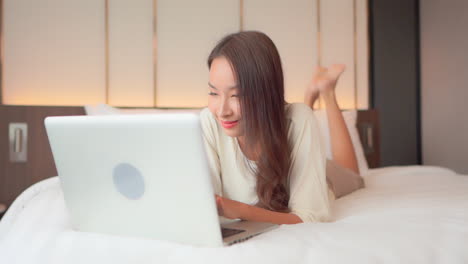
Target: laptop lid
x=136 y=175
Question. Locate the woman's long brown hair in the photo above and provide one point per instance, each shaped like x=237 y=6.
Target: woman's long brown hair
x=257 y=66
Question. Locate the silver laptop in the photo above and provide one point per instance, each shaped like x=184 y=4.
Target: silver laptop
x=141 y=175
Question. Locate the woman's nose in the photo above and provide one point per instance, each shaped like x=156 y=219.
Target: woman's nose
x=224 y=109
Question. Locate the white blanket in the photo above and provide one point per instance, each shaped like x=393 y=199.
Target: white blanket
x=404 y=215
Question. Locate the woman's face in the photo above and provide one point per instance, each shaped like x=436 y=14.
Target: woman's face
x=223 y=100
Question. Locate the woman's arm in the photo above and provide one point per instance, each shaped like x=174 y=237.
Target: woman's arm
x=233 y=210
x=323 y=83
x=309 y=194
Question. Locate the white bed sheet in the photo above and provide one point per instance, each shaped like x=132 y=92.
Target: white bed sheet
x=414 y=214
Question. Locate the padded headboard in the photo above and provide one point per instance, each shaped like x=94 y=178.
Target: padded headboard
x=17 y=176
x=369 y=132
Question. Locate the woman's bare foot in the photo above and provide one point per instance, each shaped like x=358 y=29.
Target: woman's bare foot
x=323 y=83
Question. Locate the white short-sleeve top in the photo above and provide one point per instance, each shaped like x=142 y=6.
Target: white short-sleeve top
x=309 y=193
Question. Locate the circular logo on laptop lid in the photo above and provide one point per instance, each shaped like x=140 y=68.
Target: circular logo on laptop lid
x=128 y=181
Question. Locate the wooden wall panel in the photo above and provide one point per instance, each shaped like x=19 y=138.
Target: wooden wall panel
x=186 y=32
x=153 y=53
x=337 y=45
x=362 y=54
x=53 y=52
x=293 y=28
x=130 y=47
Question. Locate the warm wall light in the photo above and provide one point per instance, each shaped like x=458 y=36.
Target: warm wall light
x=179 y=99
x=344 y=104
x=18 y=99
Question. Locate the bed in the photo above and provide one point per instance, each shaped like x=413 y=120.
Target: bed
x=411 y=214
x=406 y=214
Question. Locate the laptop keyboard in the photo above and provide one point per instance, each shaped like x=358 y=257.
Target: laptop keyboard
x=227 y=232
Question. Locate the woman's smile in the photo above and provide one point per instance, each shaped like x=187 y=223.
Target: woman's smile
x=229 y=124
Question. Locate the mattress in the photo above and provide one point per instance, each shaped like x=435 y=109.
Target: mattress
x=410 y=214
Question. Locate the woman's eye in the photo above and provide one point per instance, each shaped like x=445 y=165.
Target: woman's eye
x=211 y=93
x=235 y=95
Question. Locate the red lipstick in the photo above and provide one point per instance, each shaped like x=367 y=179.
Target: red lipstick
x=229 y=124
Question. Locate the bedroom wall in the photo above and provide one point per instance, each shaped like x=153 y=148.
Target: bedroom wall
x=444 y=83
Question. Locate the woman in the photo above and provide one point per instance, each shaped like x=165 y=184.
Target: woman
x=265 y=155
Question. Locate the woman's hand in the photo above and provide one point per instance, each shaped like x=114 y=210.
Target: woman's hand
x=229 y=208
x=323 y=83
x=236 y=210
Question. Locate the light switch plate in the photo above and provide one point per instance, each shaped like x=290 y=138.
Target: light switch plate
x=18 y=139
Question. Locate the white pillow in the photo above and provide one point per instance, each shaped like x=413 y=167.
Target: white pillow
x=104 y=109
x=101 y=109
x=350 y=118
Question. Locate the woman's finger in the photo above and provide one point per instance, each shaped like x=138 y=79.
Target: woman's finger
x=219 y=205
